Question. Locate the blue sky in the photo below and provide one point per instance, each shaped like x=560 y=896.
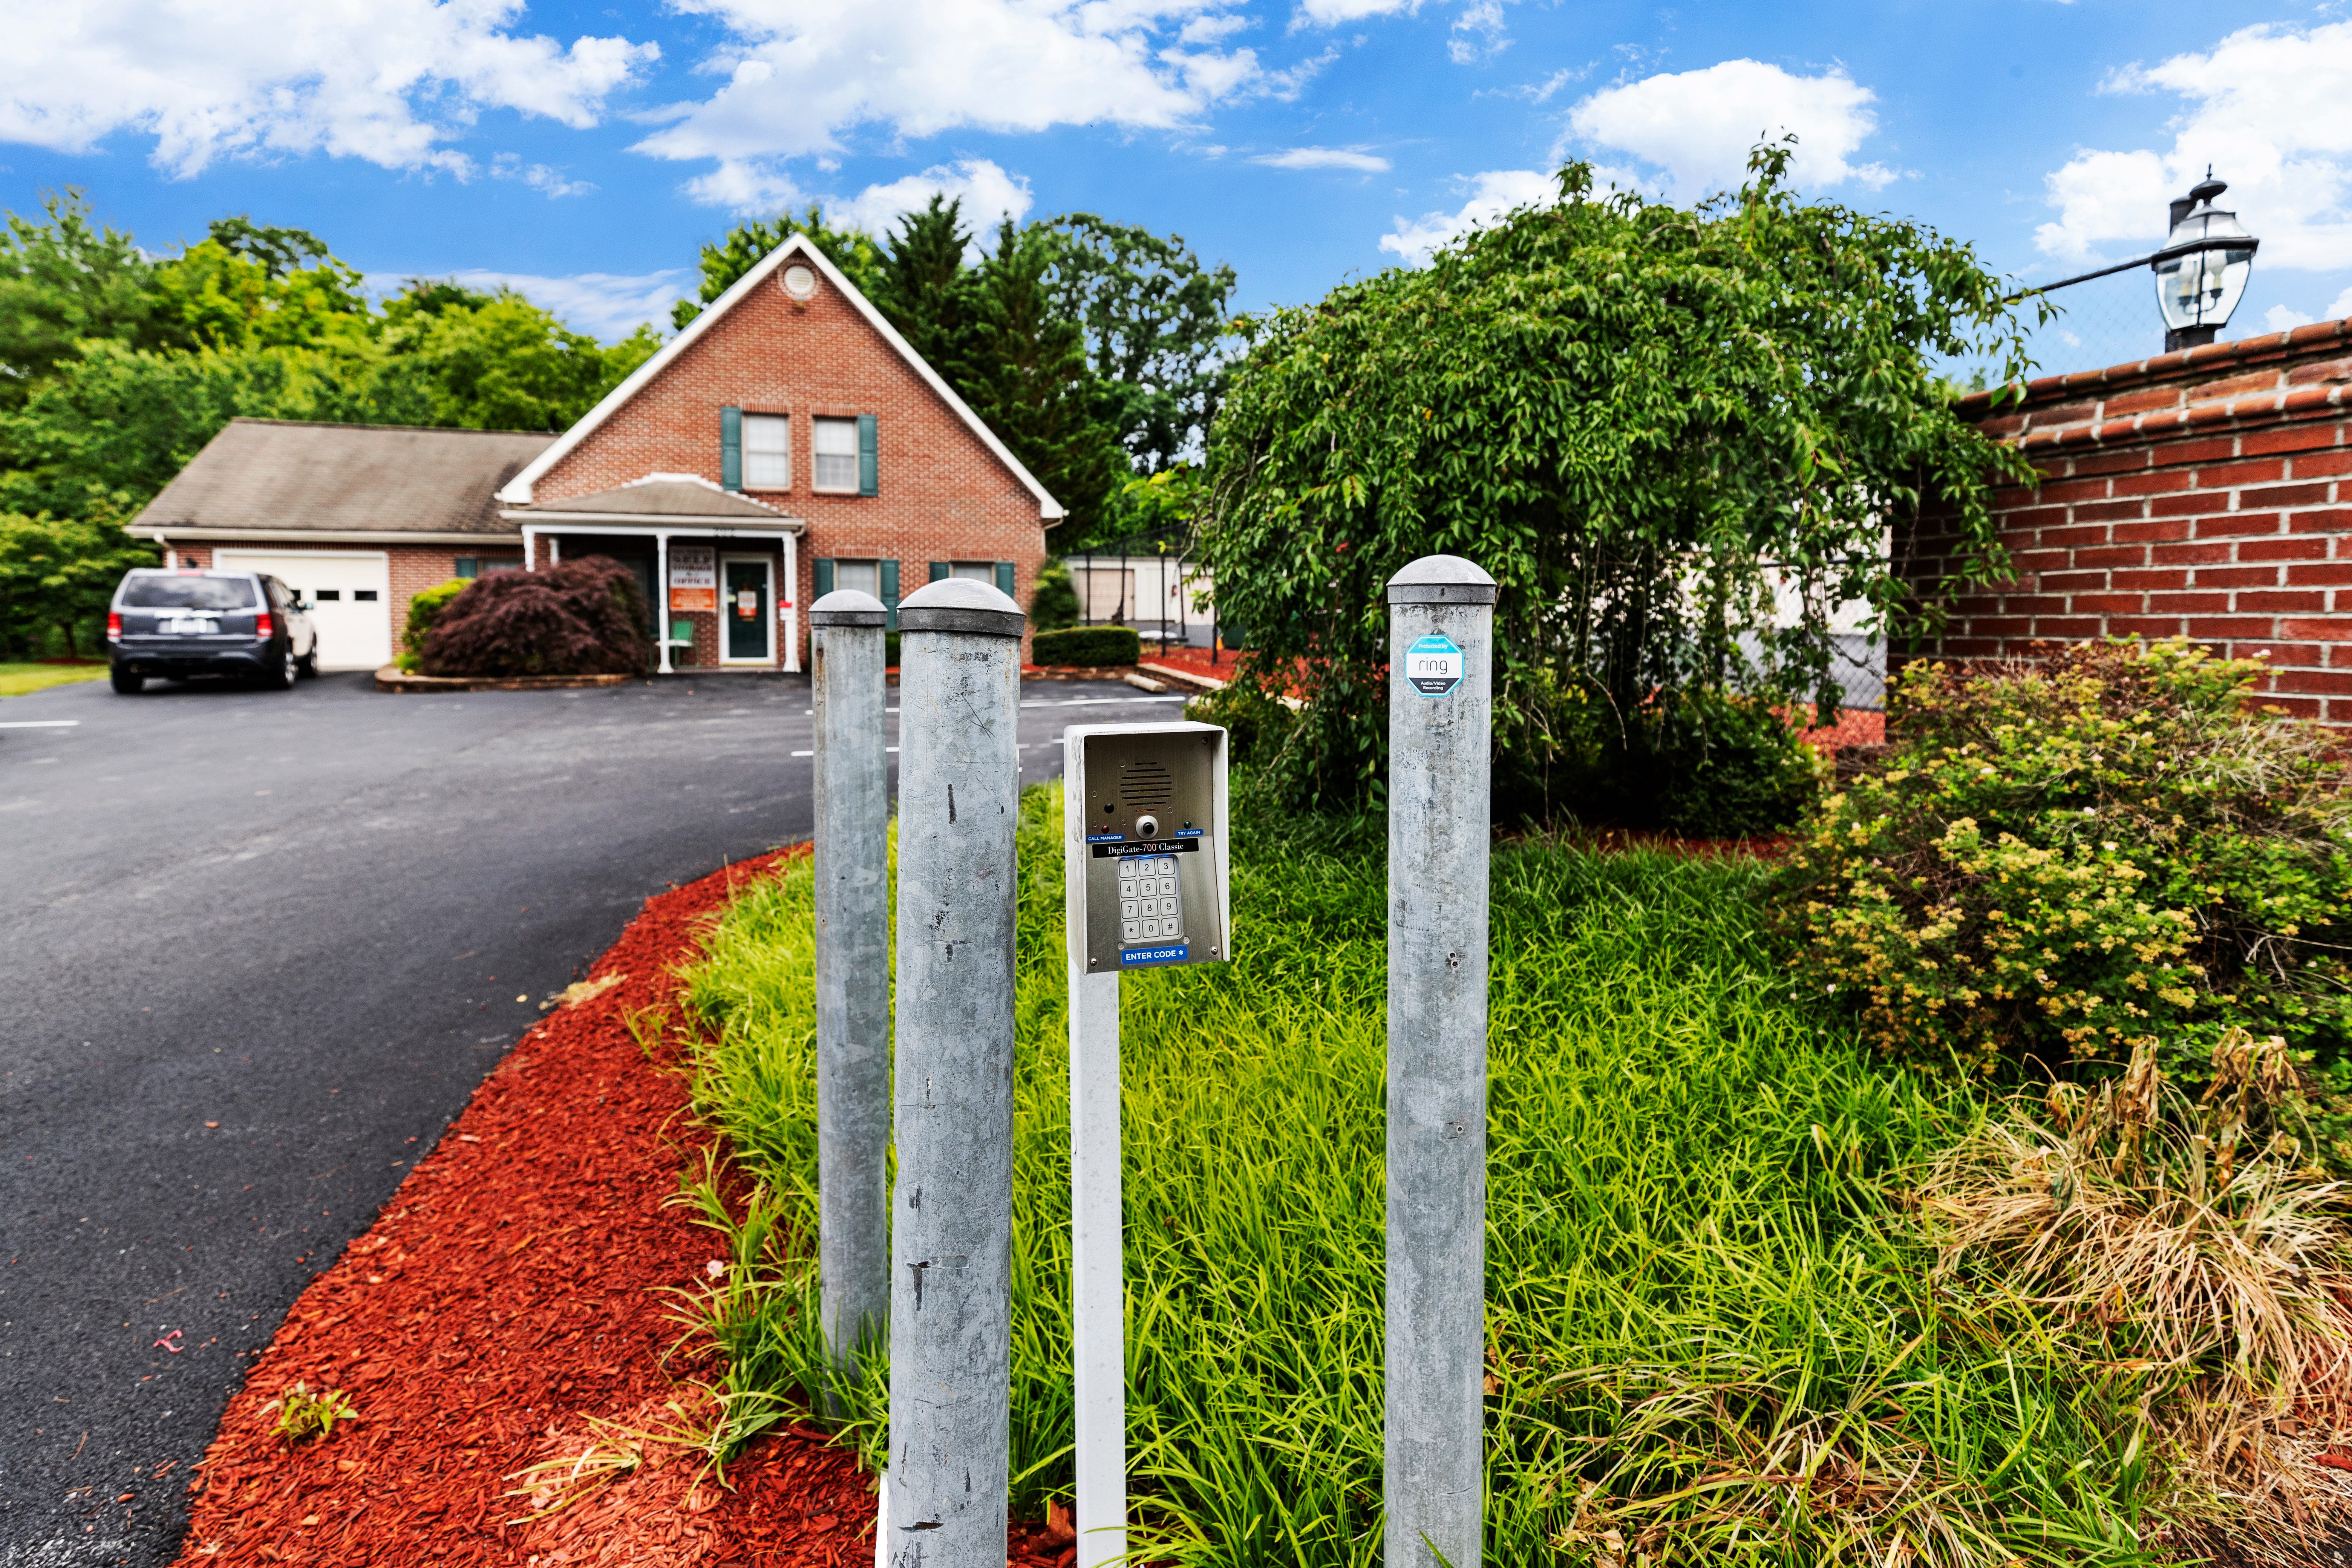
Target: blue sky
x=584 y=151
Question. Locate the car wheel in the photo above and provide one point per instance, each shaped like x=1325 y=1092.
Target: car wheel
x=282 y=678
x=308 y=665
x=129 y=682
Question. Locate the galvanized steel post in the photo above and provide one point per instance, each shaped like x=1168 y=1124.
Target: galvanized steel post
x=952 y=1210
x=853 y=971
x=1441 y=644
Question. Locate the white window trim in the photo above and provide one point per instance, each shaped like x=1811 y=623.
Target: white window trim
x=784 y=423
x=818 y=456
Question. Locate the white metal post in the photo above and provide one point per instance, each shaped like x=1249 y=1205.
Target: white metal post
x=1098 y=1296
x=952 y=1208
x=1441 y=644
x=788 y=620
x=661 y=593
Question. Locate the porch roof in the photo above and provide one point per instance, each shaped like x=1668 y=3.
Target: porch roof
x=677 y=503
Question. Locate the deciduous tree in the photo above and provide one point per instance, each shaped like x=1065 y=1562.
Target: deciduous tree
x=1643 y=420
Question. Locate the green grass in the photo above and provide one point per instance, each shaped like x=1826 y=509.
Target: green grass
x=18 y=679
x=1711 y=1326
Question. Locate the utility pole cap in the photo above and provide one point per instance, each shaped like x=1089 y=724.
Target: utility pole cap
x=1441 y=580
x=961 y=604
x=848 y=607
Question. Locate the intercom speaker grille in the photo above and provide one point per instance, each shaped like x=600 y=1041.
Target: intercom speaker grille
x=1149 y=784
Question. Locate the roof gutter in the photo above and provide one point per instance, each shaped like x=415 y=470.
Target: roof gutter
x=163 y=531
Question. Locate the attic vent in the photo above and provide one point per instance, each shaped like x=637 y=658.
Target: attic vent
x=1148 y=784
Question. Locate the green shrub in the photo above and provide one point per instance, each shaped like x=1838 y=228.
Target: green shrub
x=2076 y=858
x=1255 y=720
x=424 y=610
x=1054 y=604
x=1087 y=646
x=1700 y=762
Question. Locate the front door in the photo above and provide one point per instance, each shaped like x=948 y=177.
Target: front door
x=747 y=607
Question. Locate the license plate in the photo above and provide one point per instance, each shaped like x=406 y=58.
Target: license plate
x=187 y=624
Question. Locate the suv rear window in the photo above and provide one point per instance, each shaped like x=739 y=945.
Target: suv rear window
x=174 y=593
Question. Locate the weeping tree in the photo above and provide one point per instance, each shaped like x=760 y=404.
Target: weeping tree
x=1647 y=421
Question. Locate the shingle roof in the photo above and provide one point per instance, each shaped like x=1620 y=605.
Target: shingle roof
x=278 y=475
x=659 y=495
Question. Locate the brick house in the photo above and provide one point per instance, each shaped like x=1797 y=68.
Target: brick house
x=2202 y=493
x=787 y=441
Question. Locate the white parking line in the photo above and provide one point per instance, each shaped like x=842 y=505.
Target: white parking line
x=39 y=723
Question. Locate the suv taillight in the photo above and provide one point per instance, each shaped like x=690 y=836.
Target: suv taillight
x=261 y=625
x=114 y=625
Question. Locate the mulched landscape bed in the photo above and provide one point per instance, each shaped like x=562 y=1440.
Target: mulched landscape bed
x=512 y=1289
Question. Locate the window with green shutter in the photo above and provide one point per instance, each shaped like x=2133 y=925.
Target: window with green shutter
x=869 y=456
x=731 y=449
x=941 y=569
x=824 y=575
x=890 y=592
x=1004 y=578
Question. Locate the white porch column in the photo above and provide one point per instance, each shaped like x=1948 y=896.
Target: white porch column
x=529 y=548
x=661 y=592
x=788 y=617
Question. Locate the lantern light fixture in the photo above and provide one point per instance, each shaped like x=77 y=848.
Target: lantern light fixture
x=2201 y=272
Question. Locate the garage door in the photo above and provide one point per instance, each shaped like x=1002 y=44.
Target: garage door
x=351 y=590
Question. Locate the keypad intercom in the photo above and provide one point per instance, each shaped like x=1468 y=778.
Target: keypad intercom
x=1146 y=812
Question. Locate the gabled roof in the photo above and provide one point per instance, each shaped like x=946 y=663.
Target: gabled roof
x=517 y=492
x=279 y=476
x=656 y=495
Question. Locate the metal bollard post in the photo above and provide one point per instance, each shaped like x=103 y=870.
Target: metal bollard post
x=853 y=971
x=1441 y=644
x=952 y=1232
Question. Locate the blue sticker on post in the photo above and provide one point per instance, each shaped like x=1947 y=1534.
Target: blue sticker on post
x=1434 y=665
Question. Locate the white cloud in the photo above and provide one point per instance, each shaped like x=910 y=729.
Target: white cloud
x=2282 y=317
x=1697 y=126
x=1477 y=33
x=989 y=195
x=541 y=177
x=1332 y=12
x=608 y=305
x=1492 y=195
x=390 y=81
x=1324 y=158
x=804 y=74
x=2265 y=108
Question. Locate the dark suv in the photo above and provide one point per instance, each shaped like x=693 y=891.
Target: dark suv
x=187 y=622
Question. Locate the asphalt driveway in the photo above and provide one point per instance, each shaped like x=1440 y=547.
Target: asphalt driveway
x=256 y=949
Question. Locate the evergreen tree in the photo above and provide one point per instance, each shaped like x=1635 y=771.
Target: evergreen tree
x=1024 y=371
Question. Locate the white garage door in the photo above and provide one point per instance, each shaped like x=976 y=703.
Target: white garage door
x=351 y=591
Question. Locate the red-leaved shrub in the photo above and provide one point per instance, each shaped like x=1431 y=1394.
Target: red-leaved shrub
x=579 y=617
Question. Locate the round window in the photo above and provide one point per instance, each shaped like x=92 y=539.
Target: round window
x=800 y=282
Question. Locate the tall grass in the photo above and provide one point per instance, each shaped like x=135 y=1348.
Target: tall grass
x=1711 y=1334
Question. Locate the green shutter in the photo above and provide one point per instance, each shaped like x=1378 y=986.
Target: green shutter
x=890 y=592
x=1004 y=578
x=731 y=449
x=870 y=457
x=824 y=575
x=941 y=569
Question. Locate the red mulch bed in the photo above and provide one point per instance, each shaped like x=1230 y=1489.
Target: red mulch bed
x=510 y=1290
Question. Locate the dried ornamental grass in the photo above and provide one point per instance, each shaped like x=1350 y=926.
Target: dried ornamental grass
x=2193 y=1242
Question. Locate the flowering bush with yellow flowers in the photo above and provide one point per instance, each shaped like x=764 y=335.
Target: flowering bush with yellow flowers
x=2064 y=861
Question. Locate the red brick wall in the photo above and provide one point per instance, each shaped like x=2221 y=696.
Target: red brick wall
x=2201 y=494
x=943 y=495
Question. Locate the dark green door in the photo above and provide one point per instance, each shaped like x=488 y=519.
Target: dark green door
x=746 y=609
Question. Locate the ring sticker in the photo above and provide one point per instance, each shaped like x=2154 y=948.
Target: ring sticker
x=1434 y=665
